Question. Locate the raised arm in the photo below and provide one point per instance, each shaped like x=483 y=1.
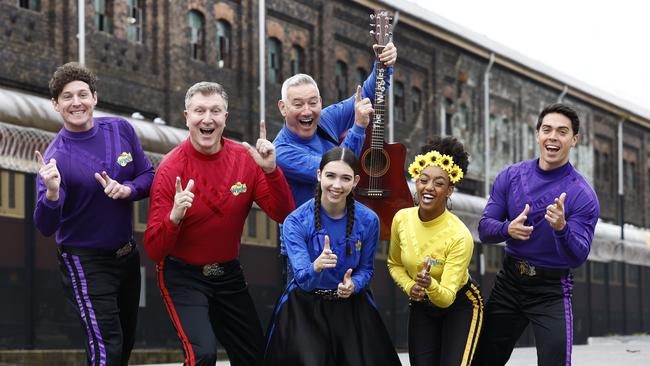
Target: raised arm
x=50 y=196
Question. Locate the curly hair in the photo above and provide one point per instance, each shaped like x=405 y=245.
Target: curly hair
x=449 y=146
x=68 y=73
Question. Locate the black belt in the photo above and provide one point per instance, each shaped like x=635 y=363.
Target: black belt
x=212 y=270
x=327 y=294
x=524 y=268
x=115 y=253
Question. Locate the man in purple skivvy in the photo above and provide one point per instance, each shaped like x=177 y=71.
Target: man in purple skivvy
x=88 y=178
x=546 y=212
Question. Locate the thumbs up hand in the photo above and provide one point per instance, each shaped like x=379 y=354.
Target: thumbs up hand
x=423 y=278
x=555 y=213
x=182 y=201
x=362 y=109
x=517 y=229
x=346 y=288
x=50 y=175
x=264 y=152
x=326 y=259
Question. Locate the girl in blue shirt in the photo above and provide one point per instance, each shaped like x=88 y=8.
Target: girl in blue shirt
x=327 y=316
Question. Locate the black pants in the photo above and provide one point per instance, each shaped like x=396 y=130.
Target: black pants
x=446 y=336
x=206 y=309
x=544 y=300
x=105 y=292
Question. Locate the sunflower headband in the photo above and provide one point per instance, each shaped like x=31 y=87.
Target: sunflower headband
x=434 y=158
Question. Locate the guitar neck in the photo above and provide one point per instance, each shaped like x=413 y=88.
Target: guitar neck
x=379 y=106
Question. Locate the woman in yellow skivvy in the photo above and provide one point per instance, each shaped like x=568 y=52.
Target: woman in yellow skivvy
x=430 y=251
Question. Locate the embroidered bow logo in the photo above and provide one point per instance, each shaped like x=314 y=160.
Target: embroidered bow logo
x=238 y=188
x=358 y=245
x=124 y=159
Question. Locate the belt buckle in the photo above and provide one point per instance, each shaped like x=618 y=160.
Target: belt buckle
x=213 y=270
x=126 y=249
x=526 y=269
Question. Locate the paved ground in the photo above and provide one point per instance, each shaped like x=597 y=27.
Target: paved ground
x=627 y=351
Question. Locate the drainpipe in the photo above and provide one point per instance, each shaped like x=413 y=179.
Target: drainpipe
x=621 y=199
x=486 y=123
x=391 y=96
x=81 y=35
x=564 y=91
x=261 y=13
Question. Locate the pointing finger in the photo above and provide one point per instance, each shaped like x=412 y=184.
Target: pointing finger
x=263 y=130
x=101 y=180
x=189 y=186
x=106 y=177
x=179 y=188
x=39 y=159
x=358 y=98
x=560 y=202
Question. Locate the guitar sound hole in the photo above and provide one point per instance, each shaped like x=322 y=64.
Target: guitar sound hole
x=375 y=162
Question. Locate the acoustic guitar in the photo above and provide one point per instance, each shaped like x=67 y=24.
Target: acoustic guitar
x=383 y=185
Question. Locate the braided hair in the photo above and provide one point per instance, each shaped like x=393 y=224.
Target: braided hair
x=449 y=146
x=347 y=156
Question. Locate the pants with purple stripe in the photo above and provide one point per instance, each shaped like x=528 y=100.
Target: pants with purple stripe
x=105 y=293
x=518 y=299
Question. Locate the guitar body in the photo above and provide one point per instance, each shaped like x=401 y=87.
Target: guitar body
x=383 y=185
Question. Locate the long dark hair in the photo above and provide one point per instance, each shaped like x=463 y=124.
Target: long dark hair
x=347 y=156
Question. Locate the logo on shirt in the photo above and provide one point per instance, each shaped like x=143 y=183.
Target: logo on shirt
x=358 y=245
x=435 y=262
x=124 y=159
x=238 y=188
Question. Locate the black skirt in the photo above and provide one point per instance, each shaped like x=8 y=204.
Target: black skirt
x=309 y=330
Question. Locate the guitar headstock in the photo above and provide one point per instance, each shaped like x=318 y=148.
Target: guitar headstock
x=380 y=27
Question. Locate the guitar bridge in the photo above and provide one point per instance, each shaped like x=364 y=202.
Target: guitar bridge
x=372 y=193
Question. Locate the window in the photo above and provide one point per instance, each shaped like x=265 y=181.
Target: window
x=360 y=75
x=135 y=20
x=398 y=102
x=615 y=273
x=629 y=175
x=140 y=213
x=632 y=275
x=12 y=194
x=259 y=229
x=597 y=272
x=297 y=59
x=197 y=35
x=30 y=4
x=275 y=60
x=342 y=80
x=416 y=101
x=104 y=15
x=223 y=43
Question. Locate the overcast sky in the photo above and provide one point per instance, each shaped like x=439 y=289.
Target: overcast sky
x=605 y=44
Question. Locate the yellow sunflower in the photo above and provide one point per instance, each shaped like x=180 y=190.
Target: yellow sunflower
x=414 y=169
x=446 y=162
x=421 y=160
x=433 y=157
x=456 y=174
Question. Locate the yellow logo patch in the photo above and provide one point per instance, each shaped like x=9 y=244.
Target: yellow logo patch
x=358 y=246
x=238 y=188
x=124 y=159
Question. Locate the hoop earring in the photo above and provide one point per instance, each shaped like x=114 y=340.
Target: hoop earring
x=449 y=205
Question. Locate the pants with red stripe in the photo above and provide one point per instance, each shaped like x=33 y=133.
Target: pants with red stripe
x=105 y=293
x=206 y=309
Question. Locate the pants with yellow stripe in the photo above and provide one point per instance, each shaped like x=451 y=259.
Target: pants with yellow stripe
x=448 y=336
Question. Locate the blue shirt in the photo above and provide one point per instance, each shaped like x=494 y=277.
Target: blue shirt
x=304 y=244
x=300 y=158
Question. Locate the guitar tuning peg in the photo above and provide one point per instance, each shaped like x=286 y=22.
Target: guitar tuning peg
x=372 y=32
x=372 y=25
x=372 y=16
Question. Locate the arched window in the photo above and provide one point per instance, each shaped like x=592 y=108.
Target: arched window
x=223 y=43
x=342 y=91
x=104 y=15
x=297 y=59
x=416 y=101
x=360 y=75
x=197 y=35
x=135 y=20
x=398 y=102
x=275 y=60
